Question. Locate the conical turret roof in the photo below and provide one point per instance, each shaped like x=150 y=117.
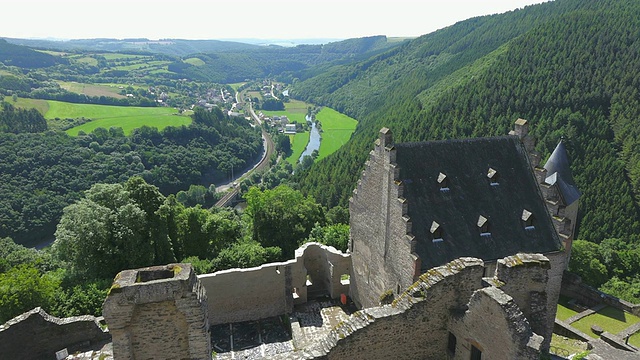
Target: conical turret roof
x=559 y=172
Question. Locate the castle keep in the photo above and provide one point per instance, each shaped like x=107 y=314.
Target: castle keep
x=421 y=205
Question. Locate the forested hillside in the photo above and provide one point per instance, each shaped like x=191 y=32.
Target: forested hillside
x=285 y=62
x=41 y=173
x=570 y=67
x=25 y=57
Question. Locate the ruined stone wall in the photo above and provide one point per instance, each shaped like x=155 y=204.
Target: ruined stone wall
x=154 y=318
x=497 y=327
x=526 y=278
x=380 y=240
x=445 y=299
x=249 y=294
x=36 y=334
x=158 y=312
x=558 y=263
x=573 y=287
x=273 y=289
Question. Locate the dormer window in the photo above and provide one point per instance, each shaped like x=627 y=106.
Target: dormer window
x=443 y=180
x=528 y=219
x=436 y=232
x=493 y=176
x=484 y=226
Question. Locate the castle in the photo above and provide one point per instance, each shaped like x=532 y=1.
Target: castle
x=464 y=241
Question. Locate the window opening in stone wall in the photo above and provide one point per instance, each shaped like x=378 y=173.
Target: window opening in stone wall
x=294 y=293
x=484 y=226
x=398 y=289
x=493 y=177
x=344 y=279
x=443 y=180
x=451 y=344
x=476 y=354
x=528 y=219
x=436 y=232
x=489 y=269
x=309 y=282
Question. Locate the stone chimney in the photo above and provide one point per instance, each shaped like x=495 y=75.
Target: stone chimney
x=521 y=130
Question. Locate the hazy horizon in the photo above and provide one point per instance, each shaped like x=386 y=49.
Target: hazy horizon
x=248 y=20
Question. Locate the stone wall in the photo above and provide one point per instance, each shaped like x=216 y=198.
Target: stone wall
x=497 y=328
x=158 y=313
x=380 y=239
x=37 y=335
x=451 y=299
x=573 y=287
x=273 y=289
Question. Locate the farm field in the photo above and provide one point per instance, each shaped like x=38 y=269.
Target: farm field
x=92 y=89
x=295 y=110
x=126 y=117
x=336 y=130
x=41 y=105
x=236 y=86
x=299 y=142
x=194 y=61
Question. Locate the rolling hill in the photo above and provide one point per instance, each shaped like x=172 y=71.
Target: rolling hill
x=570 y=67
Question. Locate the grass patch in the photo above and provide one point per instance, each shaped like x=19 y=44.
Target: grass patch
x=336 y=130
x=635 y=339
x=236 y=86
x=116 y=56
x=299 y=142
x=92 y=89
x=126 y=117
x=295 y=110
x=88 y=60
x=564 y=312
x=50 y=52
x=610 y=319
x=194 y=61
x=570 y=346
x=41 y=105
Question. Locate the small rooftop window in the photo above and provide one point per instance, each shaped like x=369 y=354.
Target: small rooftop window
x=436 y=232
x=528 y=219
x=484 y=225
x=493 y=176
x=443 y=180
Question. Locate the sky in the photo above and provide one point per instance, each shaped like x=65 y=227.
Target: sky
x=239 y=19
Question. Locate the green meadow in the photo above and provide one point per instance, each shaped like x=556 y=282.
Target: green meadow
x=295 y=110
x=92 y=89
x=126 y=117
x=610 y=319
x=299 y=142
x=194 y=61
x=336 y=130
x=41 y=105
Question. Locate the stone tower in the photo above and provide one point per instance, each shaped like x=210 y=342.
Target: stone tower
x=158 y=312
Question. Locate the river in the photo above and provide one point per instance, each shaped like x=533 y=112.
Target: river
x=314 y=142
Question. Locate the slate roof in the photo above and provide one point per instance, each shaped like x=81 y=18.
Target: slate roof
x=559 y=172
x=489 y=205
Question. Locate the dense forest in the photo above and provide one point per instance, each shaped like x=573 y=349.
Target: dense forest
x=43 y=172
x=570 y=67
x=131 y=224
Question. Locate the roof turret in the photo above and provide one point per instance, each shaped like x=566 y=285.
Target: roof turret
x=559 y=172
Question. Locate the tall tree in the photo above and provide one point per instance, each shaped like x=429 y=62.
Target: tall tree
x=282 y=217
